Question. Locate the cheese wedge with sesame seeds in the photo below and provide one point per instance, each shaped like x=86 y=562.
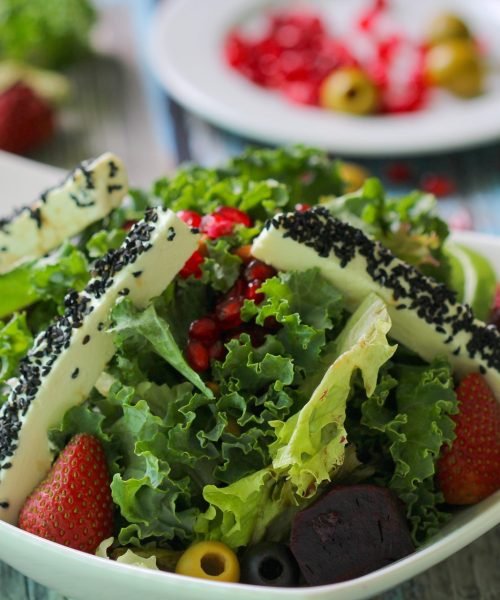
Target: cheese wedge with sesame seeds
x=425 y=314
x=87 y=195
x=68 y=358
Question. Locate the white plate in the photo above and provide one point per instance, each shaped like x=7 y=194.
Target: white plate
x=22 y=180
x=82 y=576
x=185 y=51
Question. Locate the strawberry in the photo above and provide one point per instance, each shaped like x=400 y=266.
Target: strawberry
x=73 y=505
x=25 y=119
x=469 y=470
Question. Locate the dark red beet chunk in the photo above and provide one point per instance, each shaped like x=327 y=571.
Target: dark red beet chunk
x=349 y=532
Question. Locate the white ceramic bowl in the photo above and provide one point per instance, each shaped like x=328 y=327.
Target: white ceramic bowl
x=82 y=576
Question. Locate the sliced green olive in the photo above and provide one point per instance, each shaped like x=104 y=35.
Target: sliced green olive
x=210 y=560
x=446 y=26
x=456 y=66
x=349 y=90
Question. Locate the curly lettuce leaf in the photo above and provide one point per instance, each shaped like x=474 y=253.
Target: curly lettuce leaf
x=309 y=447
x=400 y=431
x=260 y=182
x=221 y=267
x=142 y=328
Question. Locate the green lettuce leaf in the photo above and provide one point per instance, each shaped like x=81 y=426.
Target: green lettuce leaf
x=401 y=431
x=47 y=279
x=309 y=447
x=145 y=327
x=409 y=226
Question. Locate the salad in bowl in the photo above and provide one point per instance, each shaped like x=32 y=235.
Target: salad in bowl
x=244 y=374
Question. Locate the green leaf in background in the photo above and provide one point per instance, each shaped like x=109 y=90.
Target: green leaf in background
x=47 y=33
x=308 y=173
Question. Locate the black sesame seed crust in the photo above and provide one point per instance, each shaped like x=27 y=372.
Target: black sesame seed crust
x=49 y=345
x=433 y=302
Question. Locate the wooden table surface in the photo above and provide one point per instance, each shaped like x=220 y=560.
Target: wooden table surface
x=117 y=106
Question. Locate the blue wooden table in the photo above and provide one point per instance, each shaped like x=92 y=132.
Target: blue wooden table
x=118 y=107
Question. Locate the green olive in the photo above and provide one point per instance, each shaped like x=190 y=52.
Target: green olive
x=349 y=90
x=447 y=26
x=353 y=176
x=456 y=66
x=210 y=560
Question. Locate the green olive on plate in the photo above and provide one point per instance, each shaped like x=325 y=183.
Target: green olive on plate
x=446 y=26
x=456 y=66
x=349 y=90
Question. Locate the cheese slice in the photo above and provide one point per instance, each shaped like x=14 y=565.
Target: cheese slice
x=425 y=314
x=68 y=358
x=87 y=195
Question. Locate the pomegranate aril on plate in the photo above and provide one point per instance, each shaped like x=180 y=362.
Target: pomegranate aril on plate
x=197 y=356
x=205 y=330
x=256 y=269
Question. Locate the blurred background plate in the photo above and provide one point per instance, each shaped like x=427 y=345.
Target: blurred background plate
x=23 y=180
x=186 y=54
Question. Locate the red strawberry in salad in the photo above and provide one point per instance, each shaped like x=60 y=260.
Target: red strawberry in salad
x=73 y=505
x=469 y=470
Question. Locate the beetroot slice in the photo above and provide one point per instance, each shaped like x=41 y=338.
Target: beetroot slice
x=348 y=532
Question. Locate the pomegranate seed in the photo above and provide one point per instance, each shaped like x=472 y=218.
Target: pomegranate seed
x=190 y=217
x=237 y=291
x=399 y=172
x=252 y=292
x=217 y=351
x=256 y=269
x=302 y=92
x=257 y=334
x=192 y=266
x=127 y=226
x=244 y=253
x=271 y=324
x=235 y=215
x=236 y=50
x=197 y=356
x=302 y=207
x=228 y=313
x=205 y=330
x=216 y=226
x=439 y=185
